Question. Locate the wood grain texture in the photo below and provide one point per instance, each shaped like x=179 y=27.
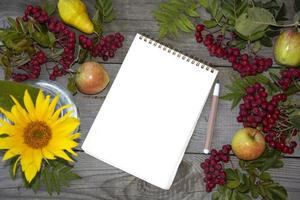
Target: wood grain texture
x=226 y=124
x=101 y=181
x=133 y=16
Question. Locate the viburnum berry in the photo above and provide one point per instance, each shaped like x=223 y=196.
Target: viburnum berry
x=64 y=36
x=213 y=167
x=245 y=64
x=256 y=110
x=287 y=78
x=32 y=69
x=105 y=48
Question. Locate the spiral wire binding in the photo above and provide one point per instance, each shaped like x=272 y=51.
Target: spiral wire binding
x=191 y=59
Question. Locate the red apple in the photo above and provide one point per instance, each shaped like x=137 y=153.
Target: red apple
x=287 y=48
x=248 y=144
x=91 y=78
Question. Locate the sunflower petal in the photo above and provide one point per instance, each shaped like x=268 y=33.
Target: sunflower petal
x=6 y=128
x=29 y=105
x=41 y=111
x=58 y=111
x=30 y=172
x=37 y=158
x=47 y=154
x=6 y=143
x=71 y=151
x=52 y=106
x=26 y=159
x=8 y=155
x=20 y=109
x=62 y=119
x=61 y=154
x=75 y=136
x=9 y=115
x=66 y=126
x=16 y=165
x=39 y=100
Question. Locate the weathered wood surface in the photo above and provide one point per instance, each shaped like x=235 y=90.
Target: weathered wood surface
x=101 y=181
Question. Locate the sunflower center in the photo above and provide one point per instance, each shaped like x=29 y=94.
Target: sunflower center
x=37 y=134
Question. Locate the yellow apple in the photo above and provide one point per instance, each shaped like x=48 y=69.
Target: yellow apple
x=248 y=144
x=287 y=48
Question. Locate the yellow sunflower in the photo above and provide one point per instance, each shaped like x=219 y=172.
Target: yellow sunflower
x=37 y=132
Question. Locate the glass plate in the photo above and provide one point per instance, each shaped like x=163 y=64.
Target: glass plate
x=52 y=88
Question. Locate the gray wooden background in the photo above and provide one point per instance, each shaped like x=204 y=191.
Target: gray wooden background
x=102 y=181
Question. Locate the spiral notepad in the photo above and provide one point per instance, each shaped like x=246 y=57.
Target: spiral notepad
x=149 y=115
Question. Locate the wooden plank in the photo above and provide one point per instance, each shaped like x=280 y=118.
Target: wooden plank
x=226 y=124
x=133 y=16
x=101 y=181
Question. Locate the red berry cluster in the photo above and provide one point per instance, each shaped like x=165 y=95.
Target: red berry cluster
x=32 y=69
x=279 y=141
x=245 y=64
x=65 y=37
x=287 y=77
x=257 y=110
x=198 y=34
x=213 y=167
x=105 y=48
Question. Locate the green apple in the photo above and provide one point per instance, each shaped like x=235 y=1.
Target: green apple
x=287 y=48
x=248 y=144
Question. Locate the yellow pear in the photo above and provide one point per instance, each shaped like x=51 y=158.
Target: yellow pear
x=74 y=13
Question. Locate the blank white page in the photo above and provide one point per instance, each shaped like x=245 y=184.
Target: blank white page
x=150 y=112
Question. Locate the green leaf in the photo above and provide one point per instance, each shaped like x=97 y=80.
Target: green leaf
x=242 y=164
x=83 y=54
x=214 y=7
x=269 y=159
x=266 y=41
x=254 y=191
x=41 y=38
x=256 y=47
x=57 y=174
x=6 y=66
x=296 y=121
x=106 y=11
x=72 y=85
x=242 y=196
x=245 y=186
x=238 y=43
x=210 y=23
x=17 y=90
x=52 y=39
x=233 y=9
x=174 y=16
x=275 y=191
x=97 y=21
x=216 y=196
x=253 y=21
x=12 y=22
x=232 y=178
x=204 y=3
x=265 y=176
x=50 y=7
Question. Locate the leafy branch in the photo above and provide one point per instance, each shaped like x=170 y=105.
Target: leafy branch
x=238 y=86
x=175 y=15
x=251 y=180
x=104 y=14
x=54 y=175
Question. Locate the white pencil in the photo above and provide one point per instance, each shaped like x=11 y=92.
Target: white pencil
x=212 y=118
